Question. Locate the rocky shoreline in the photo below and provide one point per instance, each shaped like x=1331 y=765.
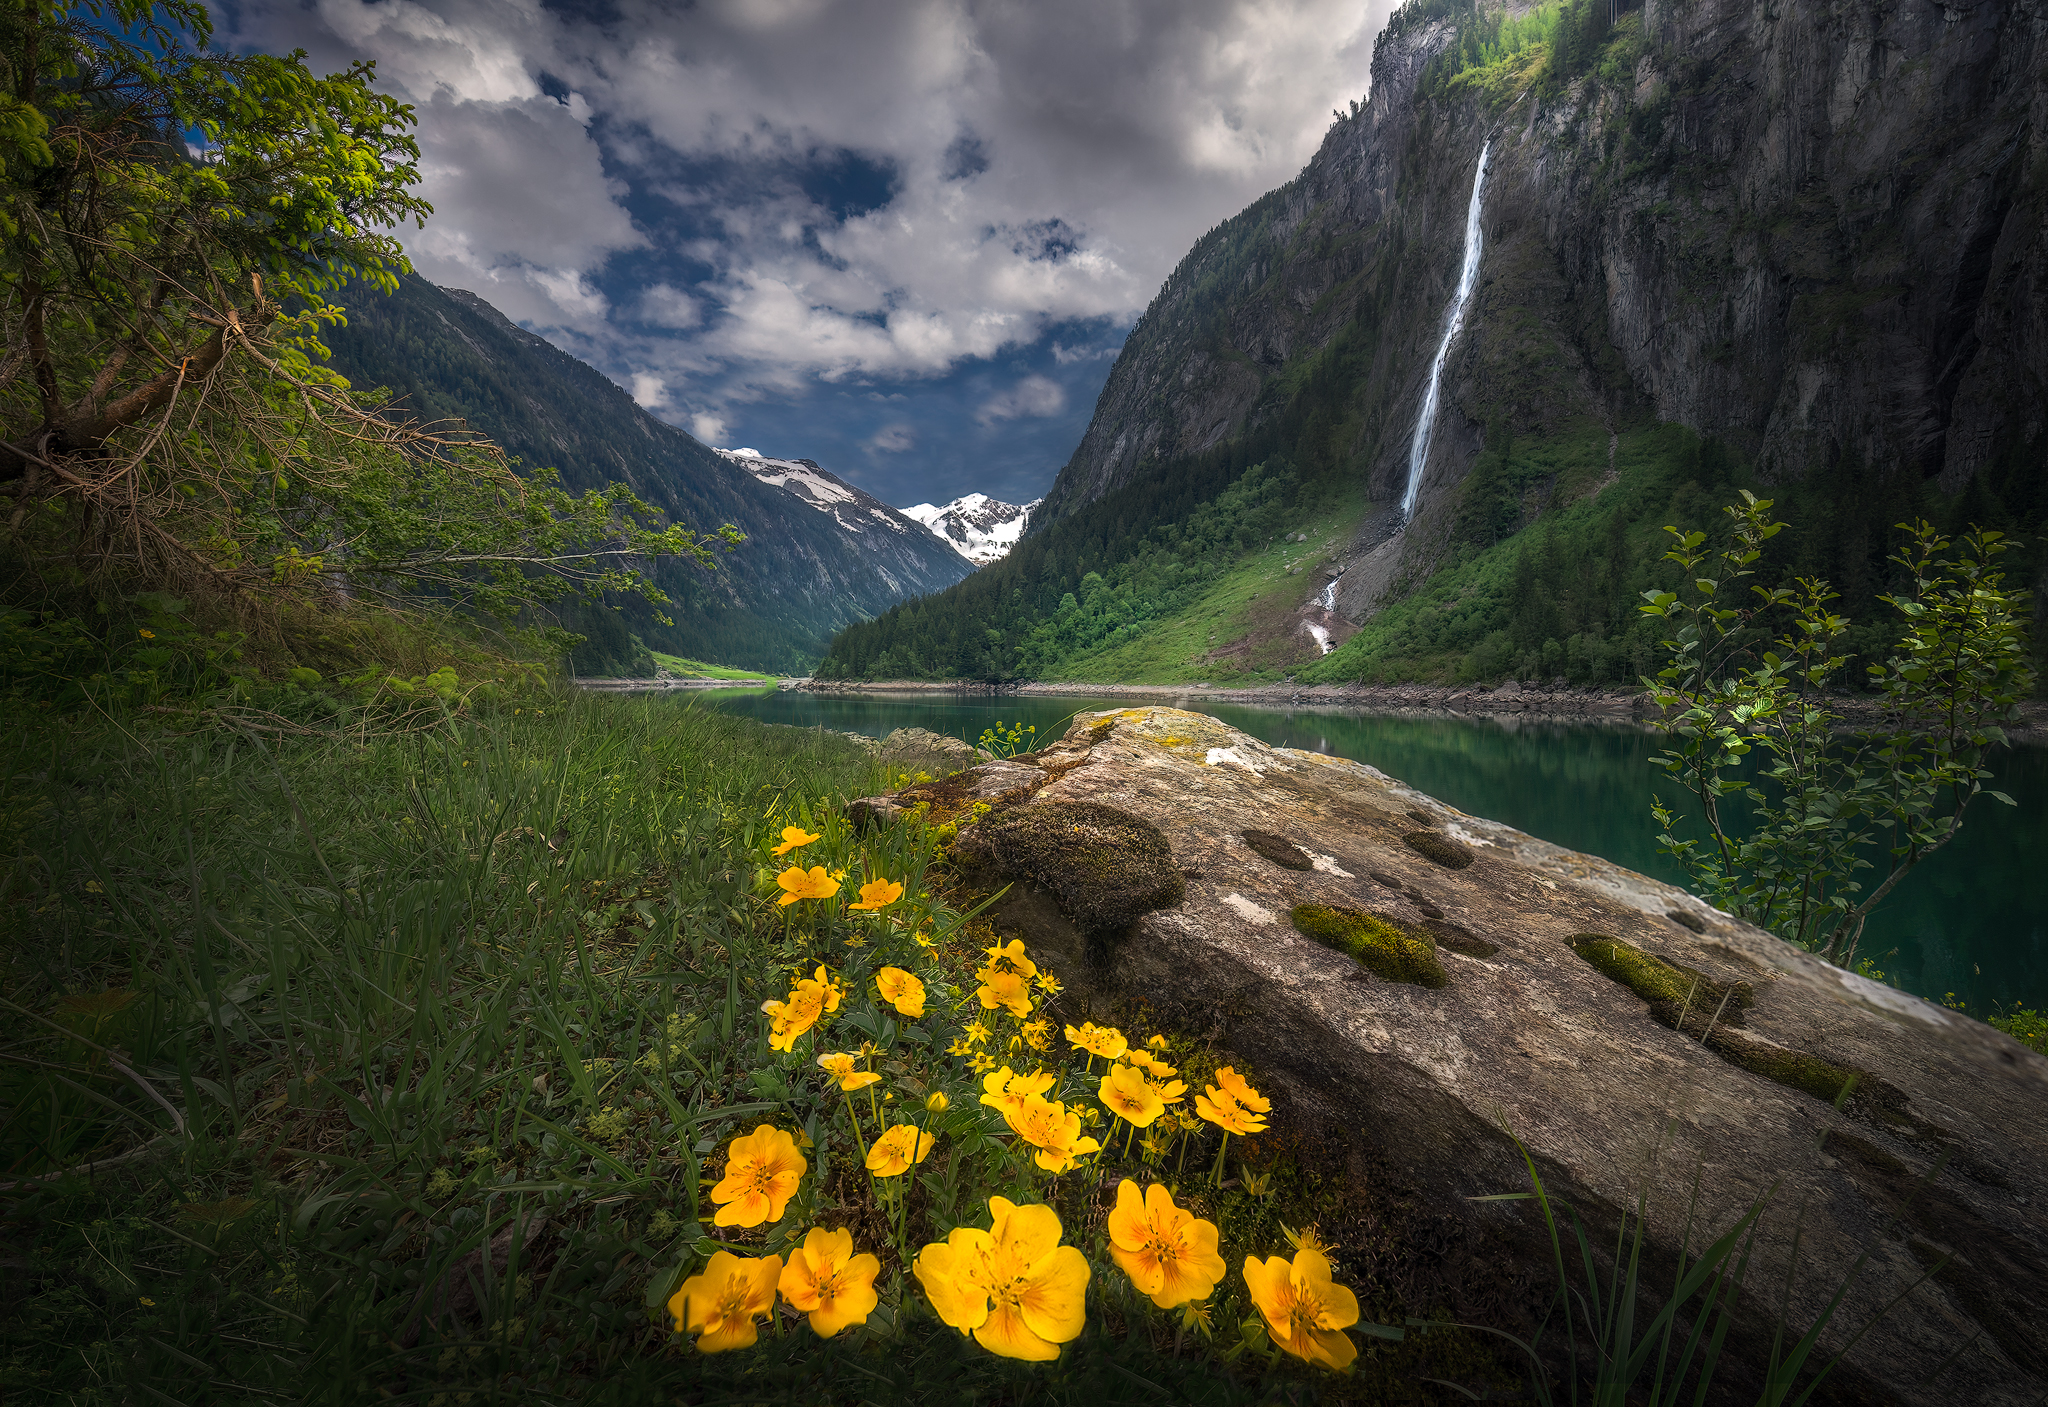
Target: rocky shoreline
x=1530 y=701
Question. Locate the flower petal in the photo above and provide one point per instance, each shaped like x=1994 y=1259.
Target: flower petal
x=1127 y=1218
x=1006 y=1334
x=948 y=1271
x=1055 y=1298
x=1026 y=1234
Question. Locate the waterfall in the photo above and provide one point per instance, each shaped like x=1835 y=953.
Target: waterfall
x=1327 y=598
x=1418 y=451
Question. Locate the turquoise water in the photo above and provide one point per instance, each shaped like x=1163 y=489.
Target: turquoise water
x=1968 y=921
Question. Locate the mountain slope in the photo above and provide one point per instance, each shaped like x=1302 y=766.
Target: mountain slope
x=770 y=604
x=859 y=514
x=1799 y=248
x=979 y=528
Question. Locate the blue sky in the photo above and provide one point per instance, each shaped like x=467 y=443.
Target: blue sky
x=903 y=239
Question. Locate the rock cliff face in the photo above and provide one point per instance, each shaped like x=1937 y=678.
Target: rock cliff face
x=1423 y=983
x=1812 y=230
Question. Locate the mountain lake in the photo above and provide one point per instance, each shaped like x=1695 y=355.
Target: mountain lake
x=1966 y=926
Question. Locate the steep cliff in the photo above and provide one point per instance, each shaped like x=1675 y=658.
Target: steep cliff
x=1811 y=231
x=1797 y=247
x=772 y=603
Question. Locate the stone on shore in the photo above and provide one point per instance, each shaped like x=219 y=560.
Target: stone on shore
x=1434 y=982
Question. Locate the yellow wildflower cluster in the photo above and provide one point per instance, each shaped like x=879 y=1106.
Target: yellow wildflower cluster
x=808 y=999
x=1006 y=979
x=824 y=1280
x=1233 y=1105
x=1014 y=1287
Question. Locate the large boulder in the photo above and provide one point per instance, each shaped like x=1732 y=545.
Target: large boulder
x=1429 y=983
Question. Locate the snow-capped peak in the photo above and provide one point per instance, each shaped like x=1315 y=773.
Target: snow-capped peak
x=979 y=528
x=804 y=480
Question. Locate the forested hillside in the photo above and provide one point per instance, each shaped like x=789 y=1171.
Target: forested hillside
x=770 y=604
x=1800 y=253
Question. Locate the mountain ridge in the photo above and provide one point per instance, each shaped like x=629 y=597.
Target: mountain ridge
x=980 y=528
x=771 y=604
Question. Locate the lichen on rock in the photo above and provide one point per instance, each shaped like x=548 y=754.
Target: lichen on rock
x=1438 y=849
x=1384 y=948
x=1106 y=866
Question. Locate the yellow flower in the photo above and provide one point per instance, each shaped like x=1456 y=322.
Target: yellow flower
x=830 y=986
x=1014 y=1287
x=762 y=1170
x=1233 y=1084
x=1009 y=957
x=720 y=1305
x=894 y=1152
x=798 y=884
x=1305 y=1313
x=976 y=1033
x=1004 y=1090
x=1309 y=1238
x=827 y=1281
x=1038 y=1034
x=962 y=1046
x=791 y=1018
x=937 y=1102
x=839 y=1065
x=981 y=1061
x=1171 y=1091
x=879 y=894
x=1125 y=1093
x=147 y=634
x=1006 y=990
x=901 y=990
x=1105 y=1041
x=794 y=837
x=1048 y=1126
x=1168 y=1253
x=1048 y=984
x=1157 y=1043
x=1235 y=1107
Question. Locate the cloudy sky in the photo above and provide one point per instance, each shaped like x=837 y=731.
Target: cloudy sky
x=903 y=238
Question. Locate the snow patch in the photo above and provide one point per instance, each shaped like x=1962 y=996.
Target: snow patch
x=815 y=487
x=979 y=528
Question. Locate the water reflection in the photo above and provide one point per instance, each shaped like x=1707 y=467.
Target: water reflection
x=1967 y=921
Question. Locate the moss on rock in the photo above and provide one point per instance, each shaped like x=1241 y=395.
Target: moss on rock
x=1383 y=948
x=1439 y=849
x=1795 y=1069
x=1107 y=866
x=1460 y=940
x=1280 y=850
x=1676 y=994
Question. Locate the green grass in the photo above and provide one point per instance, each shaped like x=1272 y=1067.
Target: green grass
x=342 y=1006
x=697 y=669
x=1252 y=593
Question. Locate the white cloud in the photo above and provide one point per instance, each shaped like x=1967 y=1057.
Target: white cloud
x=1035 y=395
x=1067 y=356
x=894 y=439
x=1043 y=162
x=664 y=306
x=649 y=390
x=708 y=427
